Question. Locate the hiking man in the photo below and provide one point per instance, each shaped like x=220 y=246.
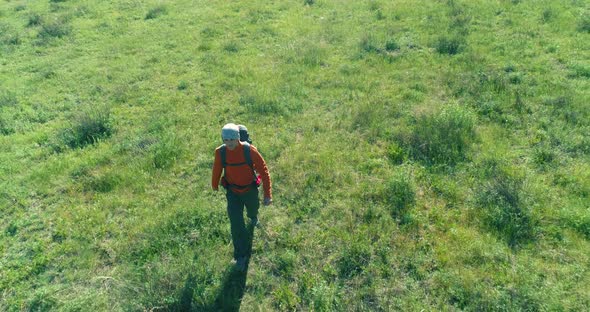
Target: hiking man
x=239 y=162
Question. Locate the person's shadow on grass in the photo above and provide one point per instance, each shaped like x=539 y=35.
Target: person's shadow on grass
x=229 y=296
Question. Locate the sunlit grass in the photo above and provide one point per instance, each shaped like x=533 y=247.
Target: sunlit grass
x=424 y=157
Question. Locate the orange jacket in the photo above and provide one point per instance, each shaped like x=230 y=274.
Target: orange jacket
x=241 y=175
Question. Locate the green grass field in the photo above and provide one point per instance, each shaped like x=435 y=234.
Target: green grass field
x=425 y=155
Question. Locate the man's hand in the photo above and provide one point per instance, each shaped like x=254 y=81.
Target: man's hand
x=267 y=201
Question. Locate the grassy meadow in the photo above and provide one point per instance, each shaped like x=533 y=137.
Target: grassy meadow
x=425 y=155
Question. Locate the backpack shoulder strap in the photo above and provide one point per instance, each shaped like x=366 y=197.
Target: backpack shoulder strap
x=222 y=152
x=247 y=155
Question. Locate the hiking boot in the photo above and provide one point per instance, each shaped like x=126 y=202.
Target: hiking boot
x=254 y=222
x=241 y=264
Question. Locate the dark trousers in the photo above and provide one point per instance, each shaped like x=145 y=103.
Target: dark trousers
x=235 y=211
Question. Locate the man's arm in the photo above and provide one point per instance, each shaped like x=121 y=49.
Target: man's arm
x=216 y=173
x=262 y=169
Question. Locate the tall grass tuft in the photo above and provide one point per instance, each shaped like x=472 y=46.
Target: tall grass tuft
x=263 y=101
x=182 y=85
x=400 y=196
x=155 y=12
x=395 y=153
x=579 y=71
x=484 y=83
x=165 y=152
x=391 y=45
x=231 y=47
x=285 y=264
x=285 y=299
x=584 y=24
x=313 y=55
x=354 y=259
x=6 y=126
x=102 y=184
x=57 y=28
x=8 y=98
x=369 y=43
x=544 y=156
x=450 y=44
x=8 y=37
x=547 y=15
x=88 y=128
x=261 y=104
x=443 y=138
x=319 y=295
x=581 y=224
x=503 y=204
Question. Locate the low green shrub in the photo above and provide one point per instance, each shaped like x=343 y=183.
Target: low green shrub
x=443 y=138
